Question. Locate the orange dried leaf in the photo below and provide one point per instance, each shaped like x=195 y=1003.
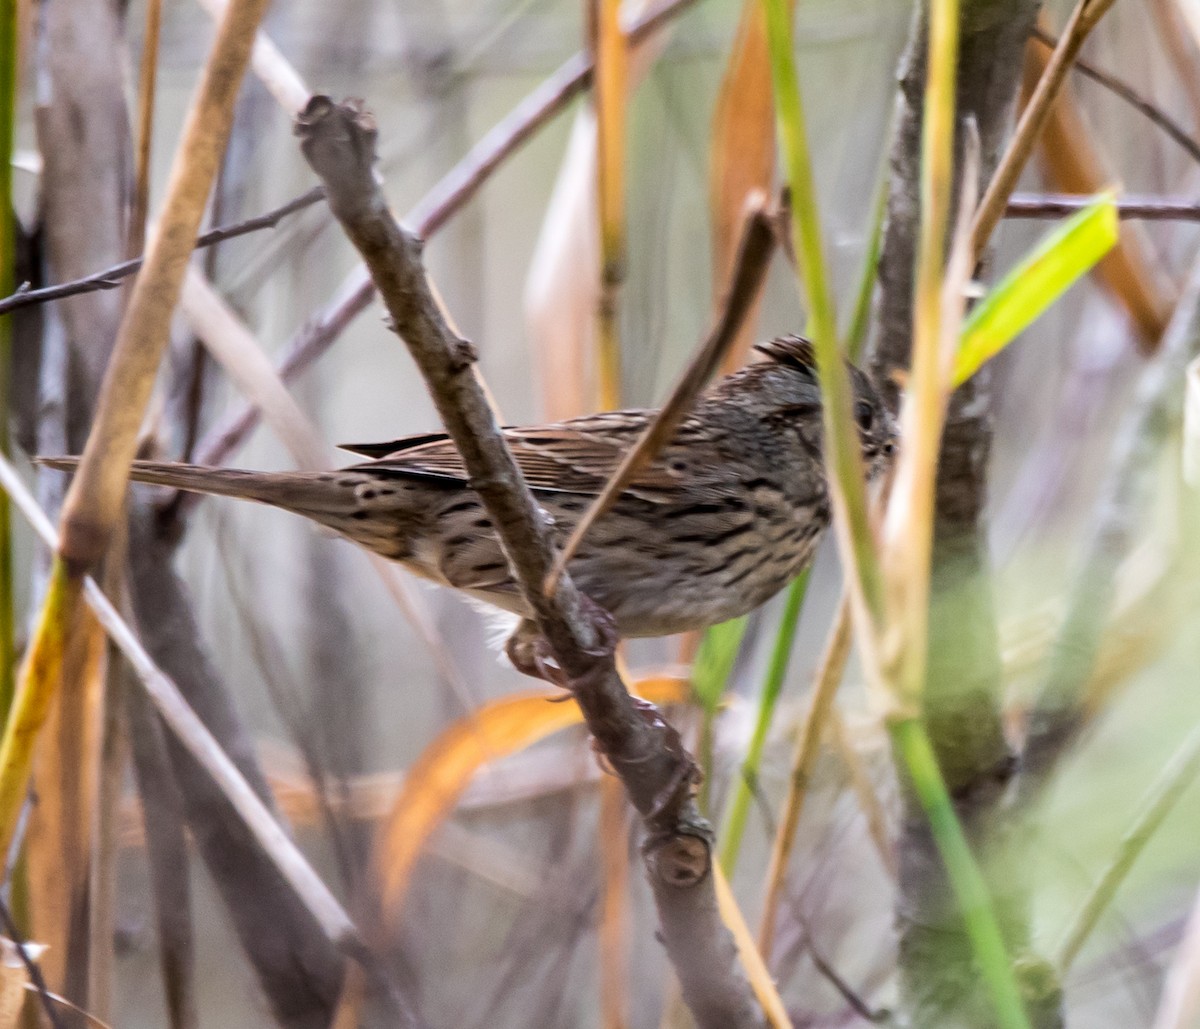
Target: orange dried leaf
x=433 y=786
x=563 y=286
x=611 y=99
x=742 y=161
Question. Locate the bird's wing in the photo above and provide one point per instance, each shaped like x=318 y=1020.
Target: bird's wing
x=578 y=456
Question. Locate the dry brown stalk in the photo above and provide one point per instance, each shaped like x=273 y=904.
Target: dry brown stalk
x=1073 y=163
x=614 y=918
x=610 y=96
x=97 y=493
x=808 y=747
x=748 y=273
x=1084 y=17
x=96 y=496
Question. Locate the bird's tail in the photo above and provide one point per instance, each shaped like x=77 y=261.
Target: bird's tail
x=380 y=516
x=330 y=498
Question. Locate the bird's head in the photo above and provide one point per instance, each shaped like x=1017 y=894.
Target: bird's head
x=788 y=383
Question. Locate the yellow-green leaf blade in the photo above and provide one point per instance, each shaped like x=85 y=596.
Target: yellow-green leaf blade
x=1035 y=283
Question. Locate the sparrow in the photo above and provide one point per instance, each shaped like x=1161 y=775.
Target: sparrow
x=729 y=512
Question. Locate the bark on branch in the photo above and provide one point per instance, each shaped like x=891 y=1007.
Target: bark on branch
x=338 y=140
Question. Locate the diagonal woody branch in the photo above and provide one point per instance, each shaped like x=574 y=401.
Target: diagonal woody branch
x=338 y=141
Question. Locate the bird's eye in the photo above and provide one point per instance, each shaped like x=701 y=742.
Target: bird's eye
x=864 y=415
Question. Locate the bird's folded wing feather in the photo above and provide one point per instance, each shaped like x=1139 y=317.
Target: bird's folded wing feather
x=571 y=457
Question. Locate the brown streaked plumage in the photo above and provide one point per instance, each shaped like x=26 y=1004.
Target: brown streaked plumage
x=728 y=513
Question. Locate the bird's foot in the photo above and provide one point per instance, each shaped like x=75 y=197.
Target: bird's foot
x=531 y=654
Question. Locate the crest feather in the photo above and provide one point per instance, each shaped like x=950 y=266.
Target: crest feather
x=792 y=351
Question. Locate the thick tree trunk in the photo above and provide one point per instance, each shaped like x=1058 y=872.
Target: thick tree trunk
x=962 y=701
x=298 y=968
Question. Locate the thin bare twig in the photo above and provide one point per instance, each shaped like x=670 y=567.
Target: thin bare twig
x=991 y=208
x=1058 y=205
x=338 y=141
x=1131 y=96
x=749 y=271
x=111 y=278
x=31 y=966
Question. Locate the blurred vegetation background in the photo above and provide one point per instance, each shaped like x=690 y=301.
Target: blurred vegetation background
x=343 y=691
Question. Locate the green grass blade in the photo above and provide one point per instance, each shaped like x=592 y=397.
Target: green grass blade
x=842 y=450
x=912 y=743
x=718 y=651
x=1053 y=266
x=768 y=700
x=719 y=647
x=860 y=316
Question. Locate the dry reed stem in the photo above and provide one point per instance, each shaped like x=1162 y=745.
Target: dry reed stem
x=613 y=930
x=192 y=733
x=226 y=337
x=748 y=275
x=808 y=747
x=752 y=960
x=611 y=97
x=59 y=831
x=94 y=501
x=269 y=65
x=147 y=75
x=1073 y=163
x=991 y=208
